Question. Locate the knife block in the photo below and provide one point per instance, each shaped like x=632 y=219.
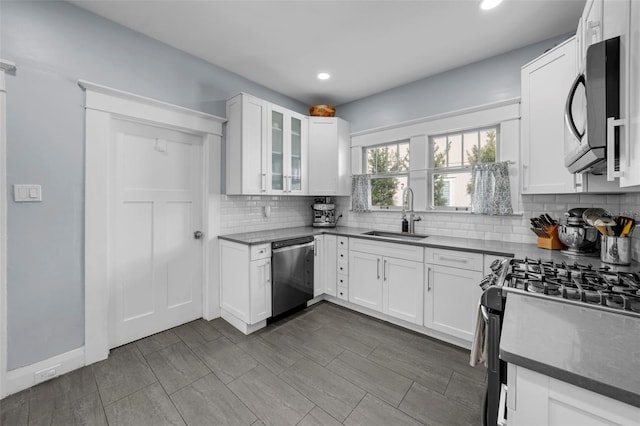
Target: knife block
x=553 y=241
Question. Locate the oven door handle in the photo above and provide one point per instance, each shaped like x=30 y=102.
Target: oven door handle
x=485 y=313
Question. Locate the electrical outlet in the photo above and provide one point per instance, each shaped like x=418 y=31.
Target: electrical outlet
x=46 y=374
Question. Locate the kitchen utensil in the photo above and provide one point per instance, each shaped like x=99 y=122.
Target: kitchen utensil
x=551 y=220
x=590 y=215
x=628 y=228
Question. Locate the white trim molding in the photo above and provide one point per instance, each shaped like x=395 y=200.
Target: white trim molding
x=5 y=66
x=104 y=105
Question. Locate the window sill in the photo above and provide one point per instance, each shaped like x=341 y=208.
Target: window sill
x=435 y=211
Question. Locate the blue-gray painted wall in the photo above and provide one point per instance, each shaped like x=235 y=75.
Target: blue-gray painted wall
x=54 y=44
x=480 y=83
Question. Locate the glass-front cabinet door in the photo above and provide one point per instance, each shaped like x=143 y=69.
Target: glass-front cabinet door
x=287 y=149
x=277 y=151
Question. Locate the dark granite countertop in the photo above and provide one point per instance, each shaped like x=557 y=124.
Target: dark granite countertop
x=590 y=348
x=491 y=247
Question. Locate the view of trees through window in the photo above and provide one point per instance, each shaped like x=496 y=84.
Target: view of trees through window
x=453 y=155
x=388 y=166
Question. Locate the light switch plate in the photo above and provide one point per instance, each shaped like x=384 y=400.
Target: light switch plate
x=27 y=193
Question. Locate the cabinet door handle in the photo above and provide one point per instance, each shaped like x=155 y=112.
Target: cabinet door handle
x=384 y=270
x=378 y=268
x=269 y=271
x=263 y=183
x=428 y=279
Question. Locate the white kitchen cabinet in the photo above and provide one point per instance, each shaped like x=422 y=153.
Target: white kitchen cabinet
x=630 y=150
x=245 y=275
x=329 y=149
x=287 y=146
x=545 y=83
x=325 y=265
x=535 y=399
x=452 y=292
x=246 y=137
x=387 y=278
x=267 y=148
x=342 y=268
x=590 y=27
x=365 y=280
x=402 y=289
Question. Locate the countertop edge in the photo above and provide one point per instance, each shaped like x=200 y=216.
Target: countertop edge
x=421 y=243
x=601 y=388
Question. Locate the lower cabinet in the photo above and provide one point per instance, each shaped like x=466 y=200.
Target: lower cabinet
x=536 y=399
x=385 y=283
x=452 y=292
x=365 y=280
x=325 y=265
x=245 y=275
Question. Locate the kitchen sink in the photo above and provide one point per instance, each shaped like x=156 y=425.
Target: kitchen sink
x=396 y=235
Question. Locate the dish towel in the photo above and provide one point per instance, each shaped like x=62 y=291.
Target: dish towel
x=479 y=345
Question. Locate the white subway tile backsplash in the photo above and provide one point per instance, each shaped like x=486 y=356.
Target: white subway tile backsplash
x=246 y=214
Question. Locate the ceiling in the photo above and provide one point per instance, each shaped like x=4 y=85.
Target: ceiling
x=367 y=46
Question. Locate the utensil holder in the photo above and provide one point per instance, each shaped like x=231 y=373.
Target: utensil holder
x=615 y=250
x=552 y=242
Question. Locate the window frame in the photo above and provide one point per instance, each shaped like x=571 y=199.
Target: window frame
x=432 y=170
x=395 y=174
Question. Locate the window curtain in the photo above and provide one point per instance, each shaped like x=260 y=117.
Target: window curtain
x=490 y=189
x=360 y=193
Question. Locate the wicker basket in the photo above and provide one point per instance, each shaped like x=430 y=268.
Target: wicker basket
x=322 y=111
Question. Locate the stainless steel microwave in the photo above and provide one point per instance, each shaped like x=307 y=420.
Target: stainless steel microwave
x=594 y=99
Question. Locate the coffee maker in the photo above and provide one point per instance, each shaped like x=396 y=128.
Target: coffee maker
x=324 y=213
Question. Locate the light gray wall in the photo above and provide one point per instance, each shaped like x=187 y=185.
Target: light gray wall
x=480 y=83
x=54 y=44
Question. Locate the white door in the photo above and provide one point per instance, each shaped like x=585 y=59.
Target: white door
x=403 y=287
x=157 y=278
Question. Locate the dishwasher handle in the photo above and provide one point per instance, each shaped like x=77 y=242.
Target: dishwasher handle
x=293 y=247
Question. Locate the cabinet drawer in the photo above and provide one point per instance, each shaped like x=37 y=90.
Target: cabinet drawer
x=454 y=258
x=343 y=268
x=397 y=250
x=260 y=251
x=343 y=243
x=343 y=293
x=343 y=255
x=343 y=280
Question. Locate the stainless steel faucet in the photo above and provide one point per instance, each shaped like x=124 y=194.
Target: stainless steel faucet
x=407 y=200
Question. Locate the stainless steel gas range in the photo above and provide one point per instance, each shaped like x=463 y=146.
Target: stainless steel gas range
x=602 y=288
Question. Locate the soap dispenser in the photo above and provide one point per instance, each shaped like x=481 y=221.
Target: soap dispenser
x=405 y=223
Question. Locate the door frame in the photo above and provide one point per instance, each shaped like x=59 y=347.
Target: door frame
x=5 y=66
x=103 y=105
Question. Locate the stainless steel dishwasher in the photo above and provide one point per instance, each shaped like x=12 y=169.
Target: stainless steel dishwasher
x=292 y=274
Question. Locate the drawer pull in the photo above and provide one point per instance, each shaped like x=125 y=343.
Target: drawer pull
x=453 y=259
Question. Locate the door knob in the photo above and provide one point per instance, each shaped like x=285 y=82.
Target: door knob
x=197 y=235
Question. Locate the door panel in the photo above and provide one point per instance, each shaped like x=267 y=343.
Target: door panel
x=158 y=263
x=403 y=290
x=365 y=280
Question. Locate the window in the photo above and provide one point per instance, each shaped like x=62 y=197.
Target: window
x=388 y=166
x=452 y=156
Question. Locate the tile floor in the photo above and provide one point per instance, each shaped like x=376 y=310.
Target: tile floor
x=325 y=365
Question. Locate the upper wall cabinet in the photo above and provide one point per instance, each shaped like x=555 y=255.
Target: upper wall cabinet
x=246 y=145
x=266 y=148
x=545 y=85
x=329 y=172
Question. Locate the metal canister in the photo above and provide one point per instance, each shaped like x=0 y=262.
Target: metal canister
x=615 y=250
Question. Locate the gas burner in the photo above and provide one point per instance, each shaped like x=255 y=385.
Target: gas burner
x=536 y=286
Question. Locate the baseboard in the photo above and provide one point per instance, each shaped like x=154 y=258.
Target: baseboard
x=24 y=377
x=241 y=325
x=404 y=324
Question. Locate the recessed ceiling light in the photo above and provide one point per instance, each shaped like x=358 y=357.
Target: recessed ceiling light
x=324 y=76
x=489 y=4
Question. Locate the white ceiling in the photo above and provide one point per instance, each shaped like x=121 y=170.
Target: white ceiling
x=367 y=46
